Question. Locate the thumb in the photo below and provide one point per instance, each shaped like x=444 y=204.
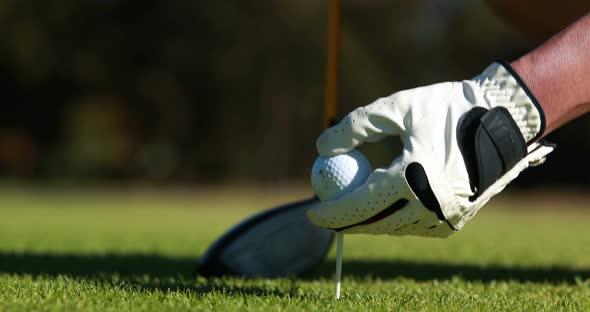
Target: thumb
x=383 y=188
x=370 y=123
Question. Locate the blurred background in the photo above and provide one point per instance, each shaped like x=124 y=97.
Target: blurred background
x=216 y=92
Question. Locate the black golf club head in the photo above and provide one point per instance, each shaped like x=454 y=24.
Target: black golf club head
x=274 y=243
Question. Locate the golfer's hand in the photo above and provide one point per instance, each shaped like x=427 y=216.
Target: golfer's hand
x=463 y=143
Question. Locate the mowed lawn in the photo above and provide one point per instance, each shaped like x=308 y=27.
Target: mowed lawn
x=135 y=249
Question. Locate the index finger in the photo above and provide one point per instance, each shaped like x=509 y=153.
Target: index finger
x=369 y=123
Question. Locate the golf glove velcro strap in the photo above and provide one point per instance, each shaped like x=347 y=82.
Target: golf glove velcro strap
x=463 y=143
x=498 y=147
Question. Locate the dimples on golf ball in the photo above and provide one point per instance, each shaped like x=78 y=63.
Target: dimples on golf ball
x=332 y=176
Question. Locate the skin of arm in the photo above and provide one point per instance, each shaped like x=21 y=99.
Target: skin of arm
x=558 y=74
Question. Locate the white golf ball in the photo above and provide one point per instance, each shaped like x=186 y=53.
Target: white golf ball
x=333 y=176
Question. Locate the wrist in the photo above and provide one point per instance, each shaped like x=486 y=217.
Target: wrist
x=532 y=75
x=502 y=86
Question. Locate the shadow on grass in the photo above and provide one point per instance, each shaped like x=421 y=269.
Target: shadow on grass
x=148 y=272
x=123 y=265
x=427 y=271
x=175 y=273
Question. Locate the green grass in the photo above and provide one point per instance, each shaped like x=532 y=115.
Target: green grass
x=135 y=250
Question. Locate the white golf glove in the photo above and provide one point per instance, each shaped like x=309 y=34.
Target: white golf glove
x=463 y=143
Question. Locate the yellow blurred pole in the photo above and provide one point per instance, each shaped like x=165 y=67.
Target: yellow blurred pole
x=332 y=62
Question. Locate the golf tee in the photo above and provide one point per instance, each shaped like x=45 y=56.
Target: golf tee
x=339 y=246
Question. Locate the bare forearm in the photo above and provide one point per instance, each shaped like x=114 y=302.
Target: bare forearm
x=558 y=73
